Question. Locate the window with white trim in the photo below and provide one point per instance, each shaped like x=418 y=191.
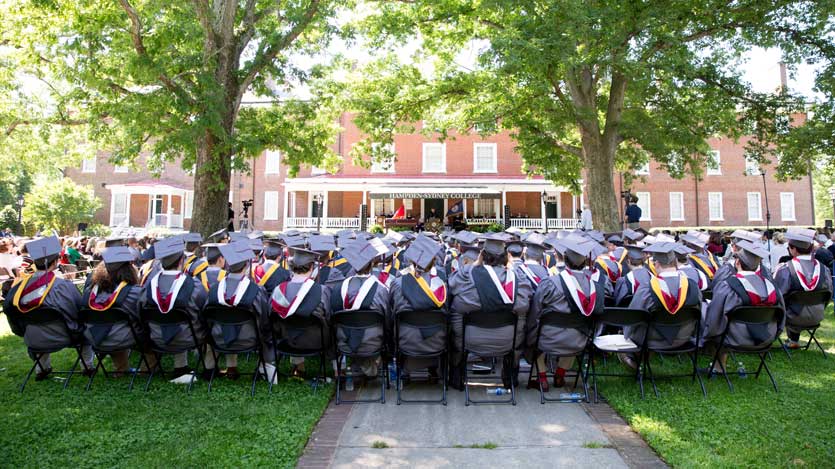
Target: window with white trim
x=189 y=204
x=755 y=206
x=714 y=206
x=484 y=208
x=119 y=168
x=645 y=204
x=384 y=165
x=272 y=162
x=714 y=163
x=270 y=205
x=752 y=167
x=119 y=215
x=88 y=165
x=787 y=206
x=485 y=158
x=383 y=207
x=291 y=204
x=676 y=206
x=642 y=170
x=434 y=157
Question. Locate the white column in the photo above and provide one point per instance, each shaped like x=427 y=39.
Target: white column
x=325 y=210
x=465 y=201
x=573 y=206
x=183 y=210
x=542 y=210
x=127 y=208
x=421 y=209
x=559 y=204
x=170 y=212
x=371 y=208
x=501 y=209
x=286 y=210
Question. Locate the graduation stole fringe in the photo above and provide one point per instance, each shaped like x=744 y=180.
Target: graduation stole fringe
x=709 y=270
x=110 y=301
x=41 y=286
x=670 y=303
x=269 y=273
x=204 y=278
x=438 y=295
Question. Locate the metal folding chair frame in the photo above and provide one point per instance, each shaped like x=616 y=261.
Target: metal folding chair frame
x=160 y=351
x=624 y=317
x=422 y=318
x=120 y=316
x=566 y=321
x=748 y=315
x=281 y=348
x=247 y=316
x=695 y=315
x=360 y=319
x=498 y=320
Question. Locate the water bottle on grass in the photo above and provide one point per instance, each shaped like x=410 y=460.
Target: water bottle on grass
x=740 y=370
x=497 y=391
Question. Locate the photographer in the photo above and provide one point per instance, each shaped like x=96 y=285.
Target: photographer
x=632 y=215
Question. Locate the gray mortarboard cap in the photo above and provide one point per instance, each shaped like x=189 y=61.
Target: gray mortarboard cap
x=148 y=254
x=634 y=252
x=362 y=252
x=237 y=236
x=693 y=240
x=256 y=244
x=272 y=247
x=212 y=251
x=632 y=235
x=300 y=256
x=534 y=250
x=218 y=236
x=683 y=250
x=800 y=237
x=193 y=238
x=466 y=237
x=169 y=247
x=292 y=232
x=114 y=241
x=44 y=248
x=257 y=234
x=470 y=252
x=536 y=239
x=577 y=249
x=614 y=238
x=422 y=251
x=116 y=256
x=821 y=238
x=515 y=248
x=346 y=232
x=236 y=254
x=294 y=241
x=495 y=244
x=322 y=243
x=394 y=236
x=662 y=251
x=597 y=250
x=595 y=235
x=751 y=254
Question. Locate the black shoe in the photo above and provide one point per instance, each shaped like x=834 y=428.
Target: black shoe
x=43 y=374
x=232 y=373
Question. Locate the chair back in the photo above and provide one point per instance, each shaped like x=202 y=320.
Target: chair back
x=422 y=318
x=566 y=321
x=359 y=333
x=807 y=298
x=683 y=317
x=490 y=319
x=623 y=317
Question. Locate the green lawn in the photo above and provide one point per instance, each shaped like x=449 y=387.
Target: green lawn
x=752 y=427
x=165 y=427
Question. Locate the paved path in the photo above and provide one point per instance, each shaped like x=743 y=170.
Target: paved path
x=527 y=435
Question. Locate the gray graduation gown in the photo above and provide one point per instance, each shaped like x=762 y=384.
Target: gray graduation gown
x=247 y=335
x=308 y=337
x=465 y=300
x=193 y=307
x=724 y=301
x=62 y=297
x=372 y=338
x=798 y=315
x=119 y=336
x=412 y=338
x=645 y=299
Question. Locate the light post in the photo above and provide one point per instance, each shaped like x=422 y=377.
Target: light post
x=767 y=210
x=20 y=213
x=318 y=200
x=545 y=209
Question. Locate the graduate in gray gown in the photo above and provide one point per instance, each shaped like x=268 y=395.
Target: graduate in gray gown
x=728 y=269
x=214 y=270
x=271 y=273
x=745 y=288
x=195 y=263
x=45 y=289
x=489 y=284
x=670 y=290
x=572 y=291
x=802 y=273
x=638 y=275
x=362 y=291
x=533 y=266
x=304 y=295
x=683 y=254
x=237 y=290
x=172 y=288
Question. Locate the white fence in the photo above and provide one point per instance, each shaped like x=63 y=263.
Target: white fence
x=310 y=223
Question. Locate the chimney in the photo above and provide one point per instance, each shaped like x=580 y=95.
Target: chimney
x=784 y=79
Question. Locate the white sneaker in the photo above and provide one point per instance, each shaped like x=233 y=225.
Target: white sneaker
x=184 y=379
x=268 y=371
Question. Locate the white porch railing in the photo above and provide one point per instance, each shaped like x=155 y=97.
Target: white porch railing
x=481 y=221
x=341 y=223
x=526 y=223
x=338 y=223
x=300 y=222
x=562 y=223
x=162 y=220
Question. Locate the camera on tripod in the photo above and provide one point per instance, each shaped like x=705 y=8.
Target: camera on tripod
x=247 y=204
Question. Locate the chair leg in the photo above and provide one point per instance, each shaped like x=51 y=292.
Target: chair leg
x=99 y=364
x=152 y=370
x=651 y=375
x=814 y=339
x=72 y=370
x=136 y=371
x=725 y=374
x=513 y=376
x=785 y=348
x=444 y=359
x=338 y=378
x=466 y=381
x=696 y=374
x=254 y=375
x=541 y=391
x=397 y=382
x=216 y=357
x=759 y=368
x=31 y=370
x=770 y=376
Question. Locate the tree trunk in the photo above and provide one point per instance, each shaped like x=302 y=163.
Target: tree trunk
x=211 y=188
x=600 y=183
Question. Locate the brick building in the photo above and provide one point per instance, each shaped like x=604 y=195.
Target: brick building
x=428 y=177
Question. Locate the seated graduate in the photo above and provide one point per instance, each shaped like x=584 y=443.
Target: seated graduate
x=195 y=263
x=114 y=283
x=214 y=271
x=610 y=262
x=748 y=287
x=45 y=289
x=335 y=268
x=802 y=273
x=638 y=275
x=362 y=291
x=490 y=284
x=172 y=288
x=683 y=254
x=150 y=266
x=271 y=273
x=701 y=259
x=302 y=295
x=670 y=291
x=237 y=290
x=533 y=266
x=572 y=291
x=728 y=269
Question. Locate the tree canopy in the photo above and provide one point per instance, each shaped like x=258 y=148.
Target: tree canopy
x=591 y=87
x=60 y=205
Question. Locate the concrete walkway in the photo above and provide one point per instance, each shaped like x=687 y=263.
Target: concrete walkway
x=527 y=435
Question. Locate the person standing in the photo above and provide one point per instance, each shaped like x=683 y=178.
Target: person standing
x=633 y=213
x=585 y=218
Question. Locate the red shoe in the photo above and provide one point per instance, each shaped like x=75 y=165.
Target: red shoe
x=559 y=378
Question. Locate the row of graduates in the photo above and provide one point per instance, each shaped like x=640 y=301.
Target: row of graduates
x=530 y=275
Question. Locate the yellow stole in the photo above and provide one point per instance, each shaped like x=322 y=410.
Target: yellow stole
x=268 y=274
x=705 y=268
x=425 y=287
x=22 y=286
x=655 y=283
x=204 y=278
x=110 y=301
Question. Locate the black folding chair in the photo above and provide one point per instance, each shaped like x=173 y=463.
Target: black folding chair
x=580 y=323
x=707 y=295
x=620 y=318
x=353 y=325
x=429 y=323
x=664 y=324
x=42 y=317
x=230 y=320
x=100 y=323
x=298 y=324
x=174 y=321
x=756 y=319
x=489 y=320
x=806 y=298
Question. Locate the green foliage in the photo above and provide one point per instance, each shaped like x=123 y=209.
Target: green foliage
x=165 y=427
x=8 y=218
x=751 y=427
x=97 y=231
x=489 y=228
x=376 y=229
x=379 y=444
x=587 y=87
x=60 y=205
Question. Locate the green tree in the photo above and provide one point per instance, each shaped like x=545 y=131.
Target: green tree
x=588 y=87
x=170 y=78
x=60 y=205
